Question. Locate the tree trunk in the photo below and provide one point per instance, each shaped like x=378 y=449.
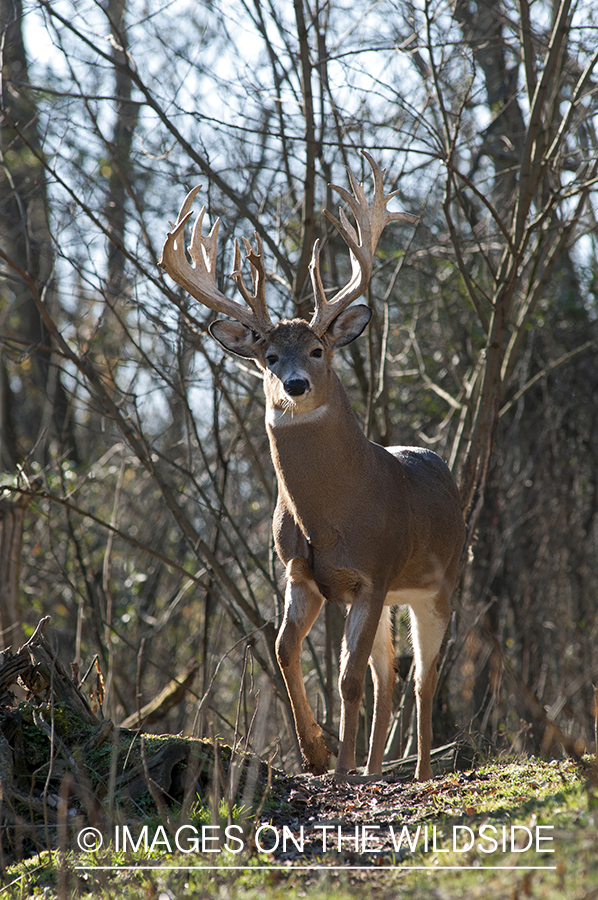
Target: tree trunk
x=31 y=416
x=12 y=515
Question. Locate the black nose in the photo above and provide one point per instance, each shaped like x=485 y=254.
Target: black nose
x=296 y=386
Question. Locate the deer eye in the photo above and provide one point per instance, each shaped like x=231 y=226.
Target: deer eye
x=271 y=359
x=316 y=352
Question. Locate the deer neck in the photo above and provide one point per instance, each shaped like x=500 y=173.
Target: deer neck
x=316 y=455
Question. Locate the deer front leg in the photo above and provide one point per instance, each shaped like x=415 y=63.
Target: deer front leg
x=303 y=602
x=429 y=619
x=358 y=639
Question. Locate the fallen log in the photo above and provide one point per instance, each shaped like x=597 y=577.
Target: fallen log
x=37 y=665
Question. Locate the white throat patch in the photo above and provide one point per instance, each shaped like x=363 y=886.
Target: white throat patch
x=277 y=418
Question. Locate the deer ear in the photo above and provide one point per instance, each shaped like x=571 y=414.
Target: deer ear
x=348 y=326
x=235 y=337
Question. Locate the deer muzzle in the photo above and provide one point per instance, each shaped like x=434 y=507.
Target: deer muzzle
x=296 y=387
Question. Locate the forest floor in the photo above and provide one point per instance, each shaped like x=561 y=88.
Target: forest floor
x=91 y=810
x=514 y=828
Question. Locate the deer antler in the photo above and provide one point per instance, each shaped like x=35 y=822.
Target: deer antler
x=362 y=243
x=199 y=279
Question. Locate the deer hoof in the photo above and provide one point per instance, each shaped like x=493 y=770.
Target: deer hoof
x=315 y=756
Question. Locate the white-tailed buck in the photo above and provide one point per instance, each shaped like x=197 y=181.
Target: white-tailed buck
x=367 y=526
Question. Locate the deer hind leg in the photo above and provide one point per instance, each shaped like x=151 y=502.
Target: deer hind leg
x=303 y=602
x=358 y=639
x=382 y=666
x=429 y=618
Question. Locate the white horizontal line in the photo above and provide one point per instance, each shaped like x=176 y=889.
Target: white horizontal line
x=374 y=868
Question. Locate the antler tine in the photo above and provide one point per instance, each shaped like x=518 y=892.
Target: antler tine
x=199 y=279
x=362 y=242
x=257 y=300
x=316 y=278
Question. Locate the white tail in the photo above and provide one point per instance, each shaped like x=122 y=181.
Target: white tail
x=355 y=523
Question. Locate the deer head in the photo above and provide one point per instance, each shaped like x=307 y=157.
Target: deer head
x=252 y=333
